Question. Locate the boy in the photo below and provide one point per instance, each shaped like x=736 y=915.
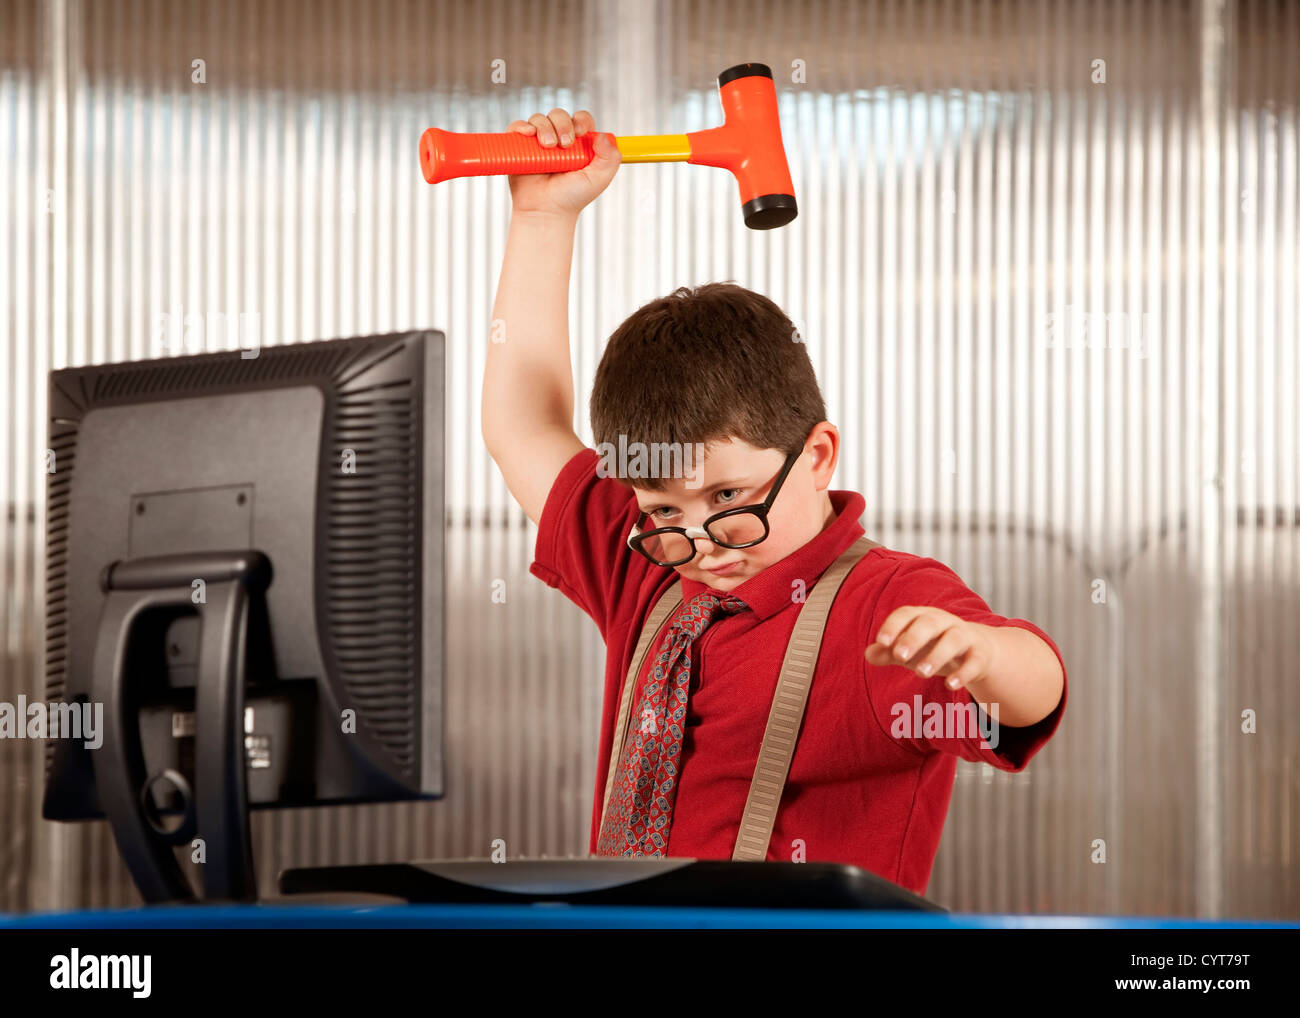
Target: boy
x=715 y=375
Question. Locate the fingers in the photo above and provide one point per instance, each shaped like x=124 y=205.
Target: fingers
x=932 y=642
x=906 y=635
x=896 y=625
x=545 y=129
x=556 y=127
x=606 y=149
x=965 y=672
x=879 y=656
x=941 y=659
x=563 y=125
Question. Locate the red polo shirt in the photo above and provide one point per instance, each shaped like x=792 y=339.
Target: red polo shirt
x=855 y=793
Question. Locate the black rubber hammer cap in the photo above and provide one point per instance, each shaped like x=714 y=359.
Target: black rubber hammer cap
x=744 y=71
x=768 y=211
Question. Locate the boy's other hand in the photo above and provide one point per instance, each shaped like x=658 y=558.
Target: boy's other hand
x=565 y=193
x=961 y=650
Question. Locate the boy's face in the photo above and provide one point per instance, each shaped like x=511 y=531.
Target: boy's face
x=735 y=473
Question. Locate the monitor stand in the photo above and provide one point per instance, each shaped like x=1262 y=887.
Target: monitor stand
x=216 y=810
x=705 y=883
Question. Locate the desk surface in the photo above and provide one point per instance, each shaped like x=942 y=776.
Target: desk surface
x=398 y=916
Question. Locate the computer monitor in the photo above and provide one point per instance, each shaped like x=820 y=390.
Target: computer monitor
x=245 y=533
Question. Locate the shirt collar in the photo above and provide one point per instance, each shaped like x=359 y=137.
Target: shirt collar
x=770 y=591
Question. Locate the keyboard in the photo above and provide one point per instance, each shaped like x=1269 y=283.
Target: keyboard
x=614 y=881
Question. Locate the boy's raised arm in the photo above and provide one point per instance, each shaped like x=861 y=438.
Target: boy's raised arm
x=527 y=409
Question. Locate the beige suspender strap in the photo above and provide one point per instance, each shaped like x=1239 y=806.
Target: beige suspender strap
x=664 y=606
x=788 y=707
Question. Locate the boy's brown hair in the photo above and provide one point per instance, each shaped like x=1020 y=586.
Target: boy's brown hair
x=706 y=364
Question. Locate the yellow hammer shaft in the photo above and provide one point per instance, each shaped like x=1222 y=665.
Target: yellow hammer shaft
x=654 y=148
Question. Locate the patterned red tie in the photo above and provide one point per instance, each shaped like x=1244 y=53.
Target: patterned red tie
x=640 y=812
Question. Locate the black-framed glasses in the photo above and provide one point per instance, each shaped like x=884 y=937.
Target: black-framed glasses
x=741 y=526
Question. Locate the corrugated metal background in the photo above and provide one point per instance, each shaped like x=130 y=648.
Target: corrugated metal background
x=1045 y=264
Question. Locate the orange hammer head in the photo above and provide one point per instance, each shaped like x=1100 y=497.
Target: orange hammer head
x=749 y=145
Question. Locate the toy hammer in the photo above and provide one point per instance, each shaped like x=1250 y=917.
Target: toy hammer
x=748 y=144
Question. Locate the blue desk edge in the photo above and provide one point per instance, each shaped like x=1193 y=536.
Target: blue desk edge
x=548 y=916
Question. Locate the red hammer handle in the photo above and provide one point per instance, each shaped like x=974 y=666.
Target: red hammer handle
x=444 y=154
